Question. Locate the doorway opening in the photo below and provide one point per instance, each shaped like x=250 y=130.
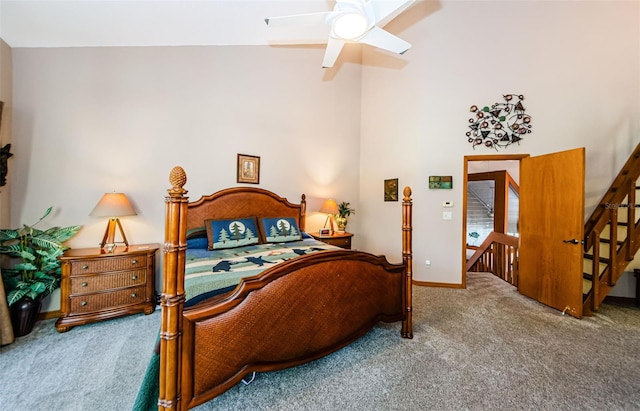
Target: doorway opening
x=490 y=200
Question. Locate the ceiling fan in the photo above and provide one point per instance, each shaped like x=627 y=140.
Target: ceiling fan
x=353 y=21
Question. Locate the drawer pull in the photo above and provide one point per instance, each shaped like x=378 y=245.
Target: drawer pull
x=85 y=267
x=134 y=295
x=134 y=262
x=83 y=303
x=84 y=284
x=134 y=277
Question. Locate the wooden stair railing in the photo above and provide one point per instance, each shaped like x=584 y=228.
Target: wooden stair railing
x=499 y=255
x=611 y=237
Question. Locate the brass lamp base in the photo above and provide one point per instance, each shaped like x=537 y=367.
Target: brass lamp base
x=330 y=221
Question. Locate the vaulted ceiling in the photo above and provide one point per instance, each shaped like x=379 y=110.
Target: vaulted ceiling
x=77 y=23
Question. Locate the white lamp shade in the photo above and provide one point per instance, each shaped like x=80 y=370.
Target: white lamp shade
x=113 y=205
x=329 y=207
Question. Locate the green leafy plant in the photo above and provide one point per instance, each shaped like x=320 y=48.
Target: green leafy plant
x=345 y=210
x=35 y=269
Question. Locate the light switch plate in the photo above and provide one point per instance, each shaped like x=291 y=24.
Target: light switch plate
x=447 y=215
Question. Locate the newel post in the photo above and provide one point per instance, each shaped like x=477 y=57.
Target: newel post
x=172 y=299
x=407 y=258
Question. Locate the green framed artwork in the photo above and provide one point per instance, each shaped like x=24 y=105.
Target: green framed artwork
x=391 y=189
x=440 y=182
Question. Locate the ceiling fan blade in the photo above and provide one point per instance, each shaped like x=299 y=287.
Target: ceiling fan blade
x=334 y=47
x=308 y=19
x=387 y=10
x=382 y=39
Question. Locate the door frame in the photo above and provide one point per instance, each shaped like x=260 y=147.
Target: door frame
x=465 y=174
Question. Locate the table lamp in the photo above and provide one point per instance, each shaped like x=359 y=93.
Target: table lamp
x=329 y=207
x=113 y=205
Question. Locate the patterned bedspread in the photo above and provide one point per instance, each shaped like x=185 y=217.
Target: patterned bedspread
x=211 y=270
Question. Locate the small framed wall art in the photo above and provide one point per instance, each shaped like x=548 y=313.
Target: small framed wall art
x=248 y=169
x=391 y=189
x=440 y=182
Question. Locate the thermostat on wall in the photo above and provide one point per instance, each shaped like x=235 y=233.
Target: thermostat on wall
x=447 y=204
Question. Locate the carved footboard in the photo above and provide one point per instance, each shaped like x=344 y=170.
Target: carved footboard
x=295 y=312
x=300 y=311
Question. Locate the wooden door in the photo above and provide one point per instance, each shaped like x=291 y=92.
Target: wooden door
x=551 y=229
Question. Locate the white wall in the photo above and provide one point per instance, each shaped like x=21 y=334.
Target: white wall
x=93 y=120
x=576 y=63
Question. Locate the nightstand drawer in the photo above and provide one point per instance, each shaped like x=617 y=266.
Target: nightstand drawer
x=100 y=301
x=91 y=283
x=100 y=265
x=339 y=242
x=342 y=240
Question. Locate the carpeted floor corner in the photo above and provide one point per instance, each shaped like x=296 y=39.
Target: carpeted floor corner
x=484 y=347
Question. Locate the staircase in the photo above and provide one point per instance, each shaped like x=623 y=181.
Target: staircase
x=611 y=235
x=499 y=255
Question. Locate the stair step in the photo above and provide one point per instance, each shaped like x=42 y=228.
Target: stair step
x=621 y=190
x=621 y=224
x=621 y=206
x=590 y=257
x=608 y=241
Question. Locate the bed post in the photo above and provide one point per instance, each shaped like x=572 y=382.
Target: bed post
x=303 y=213
x=172 y=299
x=407 y=258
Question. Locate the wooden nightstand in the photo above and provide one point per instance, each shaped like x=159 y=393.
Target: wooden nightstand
x=342 y=240
x=97 y=285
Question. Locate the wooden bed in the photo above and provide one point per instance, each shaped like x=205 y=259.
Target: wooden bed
x=294 y=312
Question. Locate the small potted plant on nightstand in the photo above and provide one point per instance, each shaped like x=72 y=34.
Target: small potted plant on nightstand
x=33 y=270
x=344 y=211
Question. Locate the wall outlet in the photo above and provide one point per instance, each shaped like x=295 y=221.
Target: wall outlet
x=428 y=263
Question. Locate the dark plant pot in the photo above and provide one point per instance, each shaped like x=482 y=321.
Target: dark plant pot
x=24 y=314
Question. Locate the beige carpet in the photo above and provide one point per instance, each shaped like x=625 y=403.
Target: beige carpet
x=483 y=348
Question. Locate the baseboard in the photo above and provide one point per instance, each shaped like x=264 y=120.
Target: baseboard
x=49 y=315
x=621 y=300
x=431 y=284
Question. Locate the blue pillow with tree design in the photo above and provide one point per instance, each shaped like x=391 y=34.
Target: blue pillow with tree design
x=281 y=229
x=231 y=233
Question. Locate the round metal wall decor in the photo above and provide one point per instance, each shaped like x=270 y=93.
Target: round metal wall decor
x=500 y=125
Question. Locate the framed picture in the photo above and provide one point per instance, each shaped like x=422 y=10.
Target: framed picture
x=440 y=182
x=391 y=190
x=248 y=169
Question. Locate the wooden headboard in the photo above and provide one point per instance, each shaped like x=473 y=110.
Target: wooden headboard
x=238 y=202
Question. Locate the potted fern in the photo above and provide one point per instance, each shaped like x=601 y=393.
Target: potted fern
x=32 y=270
x=344 y=211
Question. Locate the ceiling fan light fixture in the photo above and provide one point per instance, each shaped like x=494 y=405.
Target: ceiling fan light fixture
x=353 y=21
x=350 y=26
